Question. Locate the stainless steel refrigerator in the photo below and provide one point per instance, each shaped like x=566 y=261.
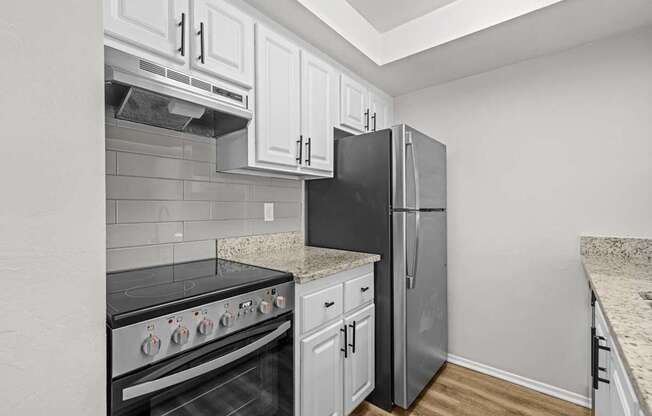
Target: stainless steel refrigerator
x=388 y=196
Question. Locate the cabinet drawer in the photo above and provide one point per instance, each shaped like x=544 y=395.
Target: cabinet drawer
x=320 y=307
x=358 y=291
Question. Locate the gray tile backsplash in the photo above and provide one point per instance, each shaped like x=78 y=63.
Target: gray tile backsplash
x=131 y=164
x=166 y=203
x=110 y=211
x=131 y=235
x=131 y=187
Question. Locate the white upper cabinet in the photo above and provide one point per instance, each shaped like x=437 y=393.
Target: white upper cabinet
x=277 y=104
x=155 y=26
x=318 y=112
x=359 y=373
x=354 y=108
x=297 y=97
x=380 y=111
x=222 y=43
x=362 y=110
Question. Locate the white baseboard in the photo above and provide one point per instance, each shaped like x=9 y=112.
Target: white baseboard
x=522 y=381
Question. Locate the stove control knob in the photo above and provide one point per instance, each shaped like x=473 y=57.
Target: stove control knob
x=181 y=335
x=151 y=346
x=280 y=302
x=265 y=307
x=205 y=327
x=227 y=319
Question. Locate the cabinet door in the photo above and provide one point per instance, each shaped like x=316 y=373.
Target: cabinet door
x=359 y=377
x=318 y=109
x=354 y=110
x=277 y=102
x=380 y=112
x=151 y=25
x=623 y=398
x=228 y=41
x=620 y=403
x=322 y=372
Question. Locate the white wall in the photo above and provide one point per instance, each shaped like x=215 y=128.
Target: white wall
x=167 y=204
x=52 y=231
x=539 y=153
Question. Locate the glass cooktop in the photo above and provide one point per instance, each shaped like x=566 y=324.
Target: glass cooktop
x=136 y=295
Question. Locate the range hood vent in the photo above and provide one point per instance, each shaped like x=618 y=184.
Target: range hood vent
x=144 y=92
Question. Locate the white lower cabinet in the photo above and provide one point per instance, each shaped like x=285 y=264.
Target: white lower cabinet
x=322 y=372
x=359 y=365
x=334 y=357
x=615 y=394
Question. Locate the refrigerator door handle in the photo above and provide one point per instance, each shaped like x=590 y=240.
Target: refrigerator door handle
x=409 y=144
x=411 y=277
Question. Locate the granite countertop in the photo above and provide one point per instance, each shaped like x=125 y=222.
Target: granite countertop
x=287 y=252
x=619 y=269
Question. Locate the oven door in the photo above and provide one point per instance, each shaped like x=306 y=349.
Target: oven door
x=249 y=373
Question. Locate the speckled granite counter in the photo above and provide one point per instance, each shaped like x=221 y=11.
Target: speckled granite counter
x=287 y=252
x=618 y=269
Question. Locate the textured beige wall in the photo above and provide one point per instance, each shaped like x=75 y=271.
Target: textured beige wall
x=52 y=221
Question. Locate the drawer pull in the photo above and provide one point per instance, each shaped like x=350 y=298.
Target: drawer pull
x=328 y=304
x=364 y=289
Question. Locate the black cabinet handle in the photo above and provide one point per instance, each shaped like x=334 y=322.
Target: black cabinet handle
x=592 y=337
x=594 y=361
x=595 y=365
x=352 y=345
x=366 y=115
x=300 y=143
x=364 y=289
x=182 y=24
x=201 y=42
x=346 y=345
x=328 y=304
x=374 y=119
x=308 y=151
x=603 y=347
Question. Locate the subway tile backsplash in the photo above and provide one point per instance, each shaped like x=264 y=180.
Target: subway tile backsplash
x=166 y=202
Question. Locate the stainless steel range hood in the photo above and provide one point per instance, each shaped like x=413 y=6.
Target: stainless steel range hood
x=144 y=92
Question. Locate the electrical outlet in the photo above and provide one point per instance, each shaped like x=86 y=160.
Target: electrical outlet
x=269 y=211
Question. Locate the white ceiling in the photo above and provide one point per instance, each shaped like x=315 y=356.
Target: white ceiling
x=442 y=25
x=385 y=15
x=558 y=27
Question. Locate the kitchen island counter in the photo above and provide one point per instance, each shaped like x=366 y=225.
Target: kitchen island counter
x=618 y=270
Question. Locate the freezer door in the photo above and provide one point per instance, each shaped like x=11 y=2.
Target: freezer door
x=420 y=308
x=420 y=178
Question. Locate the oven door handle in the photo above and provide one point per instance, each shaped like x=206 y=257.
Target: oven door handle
x=164 y=382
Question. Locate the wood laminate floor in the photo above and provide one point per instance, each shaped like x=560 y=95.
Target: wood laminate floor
x=457 y=391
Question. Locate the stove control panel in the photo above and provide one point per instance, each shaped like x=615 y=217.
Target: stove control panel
x=140 y=344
